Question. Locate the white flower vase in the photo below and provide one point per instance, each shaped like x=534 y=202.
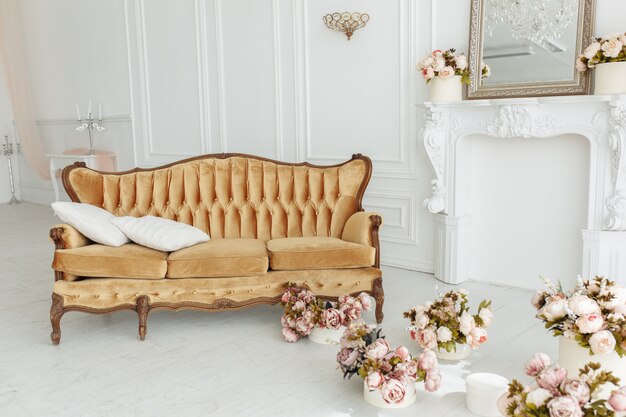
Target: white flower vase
x=326 y=336
x=375 y=397
x=482 y=393
x=445 y=89
x=610 y=78
x=572 y=357
x=462 y=352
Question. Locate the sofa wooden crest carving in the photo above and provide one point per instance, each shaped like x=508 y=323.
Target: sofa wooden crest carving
x=270 y=222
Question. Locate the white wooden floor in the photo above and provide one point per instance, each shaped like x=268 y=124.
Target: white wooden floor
x=200 y=364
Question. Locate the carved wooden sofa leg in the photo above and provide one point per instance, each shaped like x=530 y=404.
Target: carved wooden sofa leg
x=56 y=312
x=379 y=295
x=143 y=308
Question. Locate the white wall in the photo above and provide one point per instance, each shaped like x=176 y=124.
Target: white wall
x=179 y=78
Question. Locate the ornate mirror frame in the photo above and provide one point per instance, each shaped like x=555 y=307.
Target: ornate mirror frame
x=579 y=85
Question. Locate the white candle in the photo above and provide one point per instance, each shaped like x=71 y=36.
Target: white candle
x=89 y=109
x=100 y=111
x=78 y=113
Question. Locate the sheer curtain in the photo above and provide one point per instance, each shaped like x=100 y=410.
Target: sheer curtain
x=13 y=61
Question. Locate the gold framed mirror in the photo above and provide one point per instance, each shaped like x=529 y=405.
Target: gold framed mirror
x=530 y=47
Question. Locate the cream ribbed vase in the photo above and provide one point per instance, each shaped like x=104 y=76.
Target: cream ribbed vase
x=445 y=89
x=610 y=78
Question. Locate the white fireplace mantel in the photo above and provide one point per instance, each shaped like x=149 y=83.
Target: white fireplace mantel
x=600 y=119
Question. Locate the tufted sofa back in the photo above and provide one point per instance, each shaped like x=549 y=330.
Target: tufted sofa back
x=232 y=195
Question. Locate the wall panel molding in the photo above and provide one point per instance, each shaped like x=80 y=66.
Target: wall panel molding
x=399 y=212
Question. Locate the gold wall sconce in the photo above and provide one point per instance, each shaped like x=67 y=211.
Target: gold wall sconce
x=346 y=22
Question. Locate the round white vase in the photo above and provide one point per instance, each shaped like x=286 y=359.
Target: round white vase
x=482 y=393
x=375 y=397
x=326 y=336
x=610 y=78
x=572 y=357
x=445 y=89
x=462 y=352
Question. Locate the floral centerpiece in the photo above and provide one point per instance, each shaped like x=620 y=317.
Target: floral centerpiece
x=303 y=312
x=389 y=374
x=447 y=326
x=608 y=56
x=444 y=64
x=554 y=394
x=592 y=315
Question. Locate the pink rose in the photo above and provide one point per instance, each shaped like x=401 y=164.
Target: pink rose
x=576 y=389
x=503 y=403
x=291 y=322
x=617 y=400
x=427 y=339
x=427 y=360
x=590 y=323
x=333 y=318
x=402 y=352
x=343 y=299
x=411 y=368
x=432 y=381
x=298 y=306
x=347 y=357
x=446 y=72
x=283 y=321
x=602 y=342
x=551 y=378
x=413 y=334
x=564 y=406
x=422 y=320
x=289 y=335
x=366 y=301
x=303 y=327
x=350 y=312
x=374 y=380
x=478 y=337
x=393 y=391
x=286 y=297
x=536 y=364
x=377 y=350
x=428 y=73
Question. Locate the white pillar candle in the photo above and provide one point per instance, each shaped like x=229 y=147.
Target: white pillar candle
x=77 y=113
x=89 y=109
x=100 y=111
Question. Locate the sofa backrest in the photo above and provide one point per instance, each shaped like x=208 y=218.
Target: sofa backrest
x=232 y=195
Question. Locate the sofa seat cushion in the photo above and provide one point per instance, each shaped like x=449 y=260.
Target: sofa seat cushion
x=126 y=261
x=296 y=253
x=219 y=258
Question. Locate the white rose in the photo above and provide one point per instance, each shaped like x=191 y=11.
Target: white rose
x=592 y=50
x=590 y=323
x=580 y=65
x=461 y=62
x=538 y=397
x=466 y=323
x=428 y=62
x=486 y=315
x=612 y=48
x=439 y=64
x=485 y=70
x=422 y=320
x=619 y=297
x=581 y=305
x=446 y=72
x=444 y=334
x=602 y=342
x=622 y=39
x=554 y=310
x=610 y=36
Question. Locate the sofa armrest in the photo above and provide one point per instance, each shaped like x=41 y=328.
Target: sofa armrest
x=65 y=236
x=362 y=227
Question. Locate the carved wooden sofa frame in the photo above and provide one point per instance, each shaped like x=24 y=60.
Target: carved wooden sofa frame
x=143 y=306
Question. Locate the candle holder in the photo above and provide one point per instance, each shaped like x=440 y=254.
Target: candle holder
x=7 y=150
x=90 y=124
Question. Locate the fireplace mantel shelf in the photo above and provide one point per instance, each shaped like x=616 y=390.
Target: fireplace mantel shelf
x=600 y=119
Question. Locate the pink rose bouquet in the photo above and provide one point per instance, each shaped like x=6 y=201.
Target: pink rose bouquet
x=609 y=48
x=446 y=322
x=592 y=315
x=303 y=311
x=555 y=394
x=446 y=64
x=366 y=353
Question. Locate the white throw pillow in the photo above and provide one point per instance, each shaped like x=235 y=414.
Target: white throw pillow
x=158 y=233
x=93 y=222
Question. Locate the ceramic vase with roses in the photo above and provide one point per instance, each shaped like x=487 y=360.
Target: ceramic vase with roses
x=445 y=73
x=607 y=55
x=447 y=327
x=323 y=322
x=389 y=375
x=590 y=322
x=558 y=393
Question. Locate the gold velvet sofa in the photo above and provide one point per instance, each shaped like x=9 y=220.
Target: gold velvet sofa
x=270 y=222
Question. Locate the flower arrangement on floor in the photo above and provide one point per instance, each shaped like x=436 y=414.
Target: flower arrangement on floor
x=593 y=315
x=392 y=371
x=303 y=311
x=446 y=323
x=553 y=394
x=609 y=48
x=446 y=64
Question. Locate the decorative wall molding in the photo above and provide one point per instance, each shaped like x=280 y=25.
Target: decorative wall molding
x=600 y=119
x=400 y=227
x=203 y=75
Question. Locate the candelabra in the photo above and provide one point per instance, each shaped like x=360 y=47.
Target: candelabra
x=7 y=149
x=90 y=124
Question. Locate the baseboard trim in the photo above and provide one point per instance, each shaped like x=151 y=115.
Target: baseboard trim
x=420 y=265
